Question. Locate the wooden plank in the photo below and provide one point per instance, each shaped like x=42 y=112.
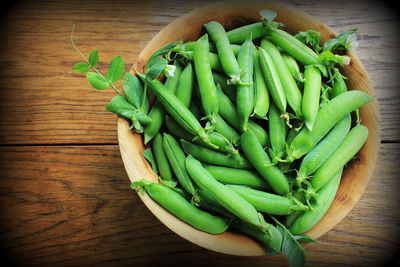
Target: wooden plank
x=72 y=205
x=44 y=102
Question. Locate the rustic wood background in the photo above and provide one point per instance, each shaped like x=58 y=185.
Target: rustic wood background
x=65 y=197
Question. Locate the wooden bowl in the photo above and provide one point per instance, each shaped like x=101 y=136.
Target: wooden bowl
x=230 y=14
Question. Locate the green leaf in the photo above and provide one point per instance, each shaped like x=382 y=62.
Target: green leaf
x=330 y=59
x=116 y=70
x=311 y=38
x=304 y=238
x=155 y=67
x=345 y=41
x=94 y=58
x=133 y=89
x=119 y=105
x=81 y=67
x=149 y=156
x=97 y=80
x=267 y=14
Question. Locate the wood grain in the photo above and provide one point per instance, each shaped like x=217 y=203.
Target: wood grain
x=43 y=101
x=63 y=205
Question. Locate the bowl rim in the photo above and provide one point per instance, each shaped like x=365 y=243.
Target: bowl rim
x=184 y=230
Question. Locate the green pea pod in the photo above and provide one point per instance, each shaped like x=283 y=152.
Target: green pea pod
x=289 y=85
x=293 y=46
x=183 y=209
x=176 y=158
x=313 y=160
x=267 y=202
x=311 y=95
x=260 y=160
x=261 y=96
x=226 y=130
x=291 y=135
x=225 y=53
x=157 y=112
x=176 y=109
x=214 y=157
x=241 y=34
x=215 y=138
x=277 y=134
x=271 y=77
x=160 y=156
x=228 y=175
x=185 y=85
x=229 y=114
x=327 y=117
x=208 y=93
x=293 y=67
x=299 y=195
x=224 y=196
x=244 y=92
x=326 y=195
x=228 y=89
x=350 y=146
x=339 y=85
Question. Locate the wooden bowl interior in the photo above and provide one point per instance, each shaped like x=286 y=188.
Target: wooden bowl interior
x=356 y=176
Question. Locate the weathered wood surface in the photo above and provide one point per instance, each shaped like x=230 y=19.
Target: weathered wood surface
x=65 y=197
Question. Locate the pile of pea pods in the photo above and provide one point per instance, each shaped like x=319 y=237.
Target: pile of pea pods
x=251 y=129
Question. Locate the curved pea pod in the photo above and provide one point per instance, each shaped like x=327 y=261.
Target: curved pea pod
x=271 y=77
x=224 y=196
x=228 y=112
x=326 y=195
x=228 y=175
x=267 y=202
x=176 y=158
x=277 y=134
x=208 y=93
x=289 y=85
x=311 y=95
x=222 y=127
x=293 y=46
x=157 y=112
x=214 y=157
x=330 y=114
x=160 y=156
x=241 y=34
x=313 y=160
x=261 y=162
x=350 y=146
x=185 y=85
x=176 y=109
x=183 y=209
x=339 y=85
x=225 y=53
x=244 y=92
x=293 y=67
x=261 y=96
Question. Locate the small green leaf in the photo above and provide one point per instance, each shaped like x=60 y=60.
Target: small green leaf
x=268 y=15
x=304 y=238
x=344 y=41
x=119 y=105
x=155 y=67
x=81 y=67
x=310 y=37
x=97 y=80
x=133 y=89
x=94 y=58
x=116 y=70
x=149 y=156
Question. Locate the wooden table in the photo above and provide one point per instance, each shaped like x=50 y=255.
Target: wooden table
x=65 y=196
